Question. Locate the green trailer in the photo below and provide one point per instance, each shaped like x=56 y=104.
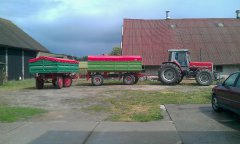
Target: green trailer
x=60 y=72
x=127 y=67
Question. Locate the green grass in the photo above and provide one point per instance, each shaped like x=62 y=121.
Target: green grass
x=12 y=114
x=14 y=85
x=97 y=108
x=143 y=106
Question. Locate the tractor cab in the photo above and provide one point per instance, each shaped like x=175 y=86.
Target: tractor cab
x=181 y=56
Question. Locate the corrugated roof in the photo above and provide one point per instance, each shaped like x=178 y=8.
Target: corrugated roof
x=216 y=40
x=11 y=35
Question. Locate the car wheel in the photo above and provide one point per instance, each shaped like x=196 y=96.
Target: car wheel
x=215 y=104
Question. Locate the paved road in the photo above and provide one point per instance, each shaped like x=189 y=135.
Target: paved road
x=199 y=124
x=192 y=124
x=90 y=133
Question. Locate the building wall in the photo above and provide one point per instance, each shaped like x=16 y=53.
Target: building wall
x=152 y=70
x=17 y=62
x=225 y=70
x=14 y=64
x=27 y=56
x=2 y=55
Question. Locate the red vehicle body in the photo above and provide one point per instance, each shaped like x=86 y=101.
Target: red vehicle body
x=227 y=94
x=179 y=65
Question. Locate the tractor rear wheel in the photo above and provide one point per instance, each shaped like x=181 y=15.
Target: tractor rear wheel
x=204 y=77
x=169 y=74
x=97 y=80
x=128 y=79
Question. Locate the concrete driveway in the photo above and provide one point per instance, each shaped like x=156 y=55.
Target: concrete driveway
x=199 y=124
x=188 y=124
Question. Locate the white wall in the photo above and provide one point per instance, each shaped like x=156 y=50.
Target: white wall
x=228 y=69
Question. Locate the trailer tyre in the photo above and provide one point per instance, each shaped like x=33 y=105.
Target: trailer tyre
x=39 y=83
x=136 y=79
x=169 y=74
x=204 y=77
x=59 y=82
x=54 y=81
x=97 y=80
x=128 y=79
x=67 y=81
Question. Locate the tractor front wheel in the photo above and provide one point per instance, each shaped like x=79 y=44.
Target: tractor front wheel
x=204 y=77
x=169 y=74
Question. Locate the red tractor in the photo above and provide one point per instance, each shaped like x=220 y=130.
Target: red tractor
x=179 y=65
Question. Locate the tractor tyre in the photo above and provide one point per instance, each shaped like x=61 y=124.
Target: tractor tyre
x=39 y=83
x=204 y=77
x=97 y=80
x=181 y=79
x=128 y=79
x=169 y=74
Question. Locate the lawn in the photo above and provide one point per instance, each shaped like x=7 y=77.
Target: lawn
x=14 y=85
x=143 y=106
x=12 y=114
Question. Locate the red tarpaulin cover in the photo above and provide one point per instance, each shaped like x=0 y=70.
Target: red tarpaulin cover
x=53 y=59
x=114 y=58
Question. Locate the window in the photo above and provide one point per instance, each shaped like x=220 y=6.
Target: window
x=219 y=68
x=231 y=79
x=238 y=83
x=220 y=24
x=181 y=58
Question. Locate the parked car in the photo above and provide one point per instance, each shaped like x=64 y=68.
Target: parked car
x=227 y=94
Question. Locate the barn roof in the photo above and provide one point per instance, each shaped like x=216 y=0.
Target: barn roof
x=13 y=36
x=216 y=40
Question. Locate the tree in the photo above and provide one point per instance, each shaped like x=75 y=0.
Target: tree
x=117 y=51
x=84 y=58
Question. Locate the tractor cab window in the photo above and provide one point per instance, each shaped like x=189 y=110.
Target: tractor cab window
x=181 y=57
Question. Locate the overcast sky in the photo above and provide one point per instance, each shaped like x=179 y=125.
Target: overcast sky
x=91 y=27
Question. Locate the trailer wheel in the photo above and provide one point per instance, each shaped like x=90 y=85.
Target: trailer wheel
x=204 y=77
x=54 y=81
x=136 y=79
x=39 y=83
x=169 y=74
x=59 y=82
x=128 y=79
x=67 y=81
x=97 y=80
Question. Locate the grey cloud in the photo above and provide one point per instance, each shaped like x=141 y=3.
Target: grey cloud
x=79 y=33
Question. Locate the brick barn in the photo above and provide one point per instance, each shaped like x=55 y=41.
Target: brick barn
x=213 y=39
